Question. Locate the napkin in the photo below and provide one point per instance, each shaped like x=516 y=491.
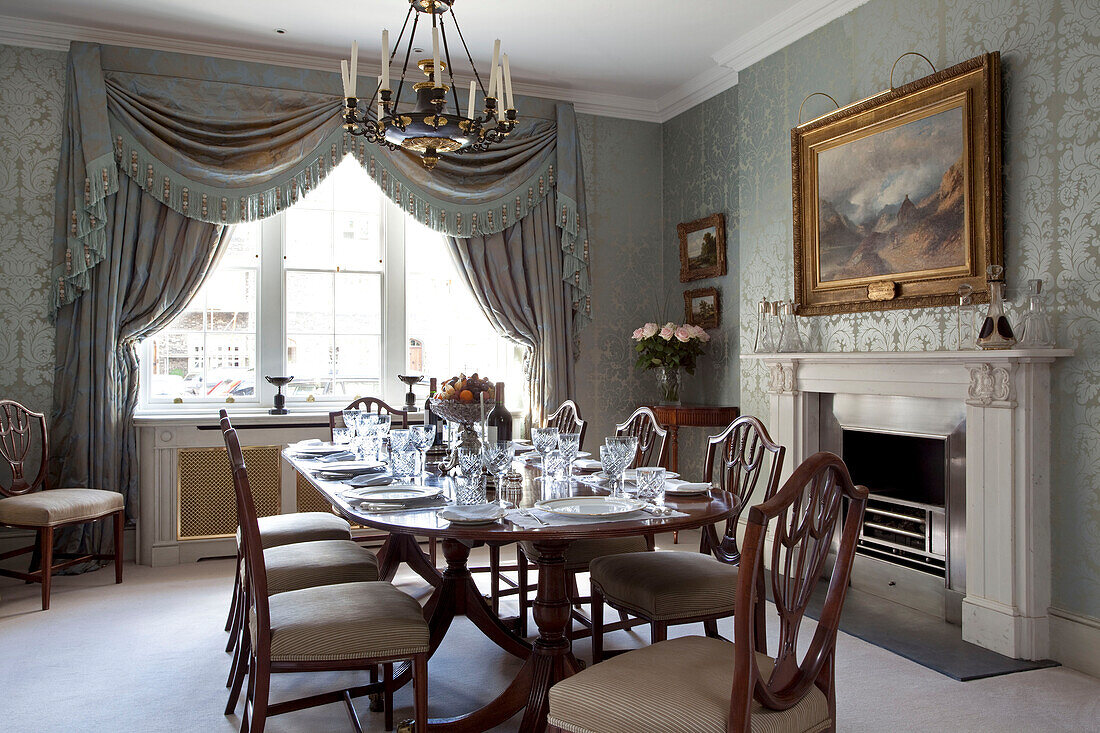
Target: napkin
x=685 y=486
x=307 y=443
x=369 y=479
x=344 y=455
x=472 y=512
x=587 y=464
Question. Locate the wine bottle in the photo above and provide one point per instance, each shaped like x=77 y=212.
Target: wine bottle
x=430 y=418
x=499 y=420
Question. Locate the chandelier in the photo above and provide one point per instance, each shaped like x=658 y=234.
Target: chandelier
x=435 y=123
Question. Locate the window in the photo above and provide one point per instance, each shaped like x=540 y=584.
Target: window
x=344 y=292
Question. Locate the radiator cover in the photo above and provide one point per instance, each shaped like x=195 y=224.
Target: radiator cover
x=207 y=506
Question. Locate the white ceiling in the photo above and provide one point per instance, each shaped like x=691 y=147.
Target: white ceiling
x=642 y=59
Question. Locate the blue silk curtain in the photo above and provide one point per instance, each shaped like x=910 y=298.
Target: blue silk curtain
x=216 y=142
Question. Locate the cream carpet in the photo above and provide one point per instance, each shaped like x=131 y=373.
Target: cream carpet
x=147 y=656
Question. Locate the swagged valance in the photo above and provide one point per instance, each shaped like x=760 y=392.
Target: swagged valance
x=227 y=142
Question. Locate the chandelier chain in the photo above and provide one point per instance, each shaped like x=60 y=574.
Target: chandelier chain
x=468 y=56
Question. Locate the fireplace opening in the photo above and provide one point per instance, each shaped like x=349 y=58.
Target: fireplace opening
x=906 y=518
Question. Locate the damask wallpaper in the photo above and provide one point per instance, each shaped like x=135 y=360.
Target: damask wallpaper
x=622 y=179
x=32 y=86
x=1051 y=57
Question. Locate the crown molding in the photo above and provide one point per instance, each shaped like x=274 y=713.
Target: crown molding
x=758 y=43
x=782 y=30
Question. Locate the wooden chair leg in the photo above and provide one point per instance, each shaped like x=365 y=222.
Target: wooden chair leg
x=46 y=550
x=387 y=687
x=521 y=579
x=420 y=691
x=494 y=578
x=433 y=551
x=236 y=599
x=240 y=669
x=596 y=615
x=710 y=627
x=120 y=522
x=623 y=617
x=658 y=631
x=36 y=555
x=675 y=536
x=260 y=680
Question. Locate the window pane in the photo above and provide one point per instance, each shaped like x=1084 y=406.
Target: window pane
x=231 y=301
x=357 y=241
x=243 y=249
x=352 y=190
x=309 y=302
x=230 y=365
x=309 y=360
x=358 y=304
x=308 y=239
x=358 y=357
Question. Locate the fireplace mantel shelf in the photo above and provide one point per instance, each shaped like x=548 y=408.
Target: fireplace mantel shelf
x=973 y=355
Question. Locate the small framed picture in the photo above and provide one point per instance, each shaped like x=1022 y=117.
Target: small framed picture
x=701 y=307
x=702 y=248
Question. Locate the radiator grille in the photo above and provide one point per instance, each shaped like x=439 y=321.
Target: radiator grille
x=309 y=498
x=207 y=508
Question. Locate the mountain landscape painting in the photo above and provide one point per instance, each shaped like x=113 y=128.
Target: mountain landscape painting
x=894 y=202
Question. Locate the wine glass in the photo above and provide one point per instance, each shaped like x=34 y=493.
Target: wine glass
x=569 y=444
x=614 y=462
x=400 y=440
x=544 y=440
x=496 y=458
x=627 y=444
x=351 y=422
x=382 y=430
x=422 y=436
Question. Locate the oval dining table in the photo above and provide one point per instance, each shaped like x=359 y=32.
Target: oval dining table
x=549 y=658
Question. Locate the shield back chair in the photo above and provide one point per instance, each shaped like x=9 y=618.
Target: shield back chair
x=652 y=451
x=567 y=419
x=32 y=504
x=671 y=588
x=699 y=683
x=399 y=419
x=356 y=625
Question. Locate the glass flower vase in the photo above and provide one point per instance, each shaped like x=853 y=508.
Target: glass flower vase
x=668 y=384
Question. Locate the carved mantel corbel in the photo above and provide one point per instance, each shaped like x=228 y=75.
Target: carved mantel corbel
x=781 y=376
x=992 y=385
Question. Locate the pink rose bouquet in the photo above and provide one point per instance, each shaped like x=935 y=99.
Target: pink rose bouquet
x=675 y=346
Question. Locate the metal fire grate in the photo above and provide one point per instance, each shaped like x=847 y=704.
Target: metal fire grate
x=906 y=533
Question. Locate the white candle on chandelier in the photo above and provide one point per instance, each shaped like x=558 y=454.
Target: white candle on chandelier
x=508 y=85
x=473 y=98
x=344 y=76
x=500 y=104
x=354 y=67
x=385 y=59
x=493 y=72
x=437 y=72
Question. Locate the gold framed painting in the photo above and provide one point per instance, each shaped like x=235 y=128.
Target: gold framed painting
x=702 y=307
x=702 y=248
x=897 y=198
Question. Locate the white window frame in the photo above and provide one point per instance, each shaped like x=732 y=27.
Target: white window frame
x=271 y=317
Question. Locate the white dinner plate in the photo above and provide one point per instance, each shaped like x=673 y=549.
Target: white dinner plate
x=472 y=513
x=632 y=475
x=683 y=488
x=591 y=506
x=314 y=449
x=394 y=493
x=351 y=468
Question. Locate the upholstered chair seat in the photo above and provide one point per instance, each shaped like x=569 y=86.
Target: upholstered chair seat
x=580 y=553
x=286 y=529
x=347 y=621
x=58 y=506
x=677 y=686
x=662 y=586
x=324 y=562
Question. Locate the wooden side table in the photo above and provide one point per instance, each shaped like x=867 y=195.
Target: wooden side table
x=674 y=417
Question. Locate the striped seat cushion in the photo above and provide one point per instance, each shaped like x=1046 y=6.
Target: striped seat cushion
x=580 y=553
x=286 y=529
x=58 y=506
x=664 y=586
x=347 y=621
x=678 y=686
x=324 y=562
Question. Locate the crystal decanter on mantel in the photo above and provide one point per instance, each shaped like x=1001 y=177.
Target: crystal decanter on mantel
x=1036 y=330
x=996 y=333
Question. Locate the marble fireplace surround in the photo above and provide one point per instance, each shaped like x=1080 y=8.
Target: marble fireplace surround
x=1008 y=400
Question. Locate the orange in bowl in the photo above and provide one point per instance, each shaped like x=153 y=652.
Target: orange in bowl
x=466 y=396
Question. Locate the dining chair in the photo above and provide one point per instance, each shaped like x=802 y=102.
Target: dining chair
x=567 y=419
x=671 y=588
x=34 y=505
x=321 y=628
x=292 y=566
x=704 y=684
x=399 y=419
x=652 y=451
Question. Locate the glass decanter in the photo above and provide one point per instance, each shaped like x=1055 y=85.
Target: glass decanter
x=1036 y=330
x=765 y=338
x=996 y=333
x=790 y=341
x=965 y=328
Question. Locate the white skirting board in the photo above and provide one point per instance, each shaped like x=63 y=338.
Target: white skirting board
x=1075 y=641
